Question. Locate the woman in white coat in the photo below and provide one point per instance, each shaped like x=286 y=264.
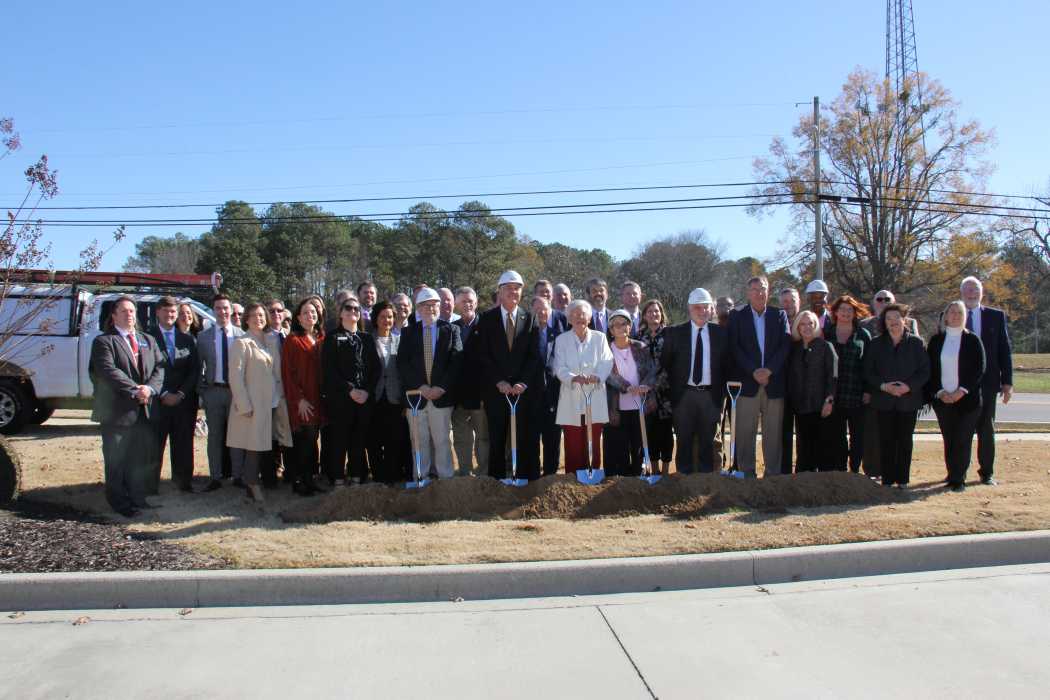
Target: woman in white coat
x=582 y=360
x=259 y=414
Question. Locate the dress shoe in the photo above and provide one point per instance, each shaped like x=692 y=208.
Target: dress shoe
x=186 y=488
x=301 y=488
x=255 y=494
x=146 y=505
x=213 y=485
x=128 y=512
x=957 y=488
x=238 y=482
x=989 y=481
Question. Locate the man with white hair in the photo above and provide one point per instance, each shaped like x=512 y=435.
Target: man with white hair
x=696 y=358
x=509 y=359
x=448 y=305
x=562 y=297
x=990 y=325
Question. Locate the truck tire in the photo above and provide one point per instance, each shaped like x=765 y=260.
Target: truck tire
x=14 y=409
x=10 y=472
x=41 y=412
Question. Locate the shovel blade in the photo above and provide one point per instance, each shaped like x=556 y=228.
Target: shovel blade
x=590 y=477
x=651 y=479
x=733 y=474
x=515 y=482
x=417 y=484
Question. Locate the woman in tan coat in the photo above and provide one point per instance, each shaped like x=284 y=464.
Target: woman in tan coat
x=259 y=413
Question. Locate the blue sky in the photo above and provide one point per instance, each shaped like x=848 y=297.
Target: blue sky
x=204 y=102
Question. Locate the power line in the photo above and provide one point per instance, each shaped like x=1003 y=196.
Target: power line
x=425 y=197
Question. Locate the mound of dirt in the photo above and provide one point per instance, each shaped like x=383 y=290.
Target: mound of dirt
x=563 y=497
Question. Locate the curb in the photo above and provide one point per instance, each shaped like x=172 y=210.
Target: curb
x=260 y=587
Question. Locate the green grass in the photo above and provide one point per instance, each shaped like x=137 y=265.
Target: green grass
x=1032 y=382
x=1040 y=361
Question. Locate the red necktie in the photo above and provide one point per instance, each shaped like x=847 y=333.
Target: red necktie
x=135 y=351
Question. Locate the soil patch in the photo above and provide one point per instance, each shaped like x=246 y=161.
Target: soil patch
x=561 y=496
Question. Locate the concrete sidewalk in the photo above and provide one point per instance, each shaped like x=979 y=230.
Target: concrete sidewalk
x=516 y=580
x=970 y=633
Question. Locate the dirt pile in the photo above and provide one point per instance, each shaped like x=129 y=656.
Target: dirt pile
x=563 y=497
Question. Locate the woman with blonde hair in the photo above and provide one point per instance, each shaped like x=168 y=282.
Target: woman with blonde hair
x=957 y=366
x=811 y=377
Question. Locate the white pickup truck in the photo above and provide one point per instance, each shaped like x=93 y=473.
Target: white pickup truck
x=46 y=333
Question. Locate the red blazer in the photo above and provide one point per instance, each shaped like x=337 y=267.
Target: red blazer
x=301 y=374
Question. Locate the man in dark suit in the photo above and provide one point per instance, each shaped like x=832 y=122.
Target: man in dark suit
x=509 y=360
x=470 y=430
x=429 y=360
x=543 y=391
x=990 y=325
x=759 y=341
x=696 y=357
x=175 y=410
x=127 y=371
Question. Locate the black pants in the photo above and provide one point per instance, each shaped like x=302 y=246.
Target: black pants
x=497 y=412
x=174 y=423
x=661 y=438
x=696 y=417
x=387 y=440
x=896 y=429
x=268 y=463
x=843 y=452
x=957 y=429
x=623 y=445
x=301 y=463
x=127 y=453
x=986 y=434
x=786 y=434
x=347 y=437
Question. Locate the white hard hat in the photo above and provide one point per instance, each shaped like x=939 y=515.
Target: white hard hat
x=700 y=296
x=817 y=286
x=426 y=294
x=510 y=277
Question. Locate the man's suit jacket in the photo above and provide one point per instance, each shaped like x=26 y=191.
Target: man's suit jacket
x=182 y=371
x=498 y=364
x=116 y=376
x=677 y=359
x=998 y=350
x=448 y=361
x=206 y=353
x=546 y=387
x=604 y=313
x=468 y=388
x=747 y=356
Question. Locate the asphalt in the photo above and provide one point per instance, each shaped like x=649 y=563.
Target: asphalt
x=967 y=633
x=194 y=589
x=1024 y=408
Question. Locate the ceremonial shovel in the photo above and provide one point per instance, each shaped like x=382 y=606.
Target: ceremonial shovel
x=647 y=465
x=514 y=480
x=733 y=388
x=589 y=476
x=417 y=454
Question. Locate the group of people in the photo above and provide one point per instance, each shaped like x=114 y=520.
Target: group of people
x=323 y=402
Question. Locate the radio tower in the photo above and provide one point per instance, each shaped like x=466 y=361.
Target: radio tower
x=902 y=61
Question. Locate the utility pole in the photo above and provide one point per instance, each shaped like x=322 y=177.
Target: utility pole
x=816 y=189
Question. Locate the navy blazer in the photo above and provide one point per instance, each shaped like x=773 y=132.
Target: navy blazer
x=545 y=386
x=747 y=356
x=998 y=351
x=182 y=371
x=448 y=358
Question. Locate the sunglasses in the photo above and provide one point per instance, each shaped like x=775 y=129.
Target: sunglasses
x=276 y=311
x=352 y=307
x=884 y=300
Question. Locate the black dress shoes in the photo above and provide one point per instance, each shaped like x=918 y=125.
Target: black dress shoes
x=989 y=481
x=213 y=485
x=128 y=512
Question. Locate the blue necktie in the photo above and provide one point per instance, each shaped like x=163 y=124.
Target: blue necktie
x=969 y=320
x=169 y=340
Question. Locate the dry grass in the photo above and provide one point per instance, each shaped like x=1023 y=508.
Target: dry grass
x=63 y=464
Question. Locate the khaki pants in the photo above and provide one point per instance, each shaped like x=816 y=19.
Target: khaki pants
x=470 y=436
x=434 y=439
x=749 y=408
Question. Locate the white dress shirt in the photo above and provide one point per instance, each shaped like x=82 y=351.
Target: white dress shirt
x=705 y=372
x=219 y=332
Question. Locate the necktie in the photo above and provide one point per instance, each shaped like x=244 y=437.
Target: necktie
x=169 y=340
x=225 y=359
x=510 y=330
x=969 y=320
x=599 y=321
x=698 y=357
x=135 y=351
x=428 y=350
x=543 y=344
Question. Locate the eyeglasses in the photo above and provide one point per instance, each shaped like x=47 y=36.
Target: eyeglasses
x=884 y=300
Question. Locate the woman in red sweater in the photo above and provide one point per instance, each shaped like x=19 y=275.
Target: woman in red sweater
x=301 y=374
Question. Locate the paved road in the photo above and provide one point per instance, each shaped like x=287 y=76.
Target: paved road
x=1025 y=408
x=972 y=633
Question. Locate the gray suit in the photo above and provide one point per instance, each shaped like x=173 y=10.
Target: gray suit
x=216 y=401
x=127 y=438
